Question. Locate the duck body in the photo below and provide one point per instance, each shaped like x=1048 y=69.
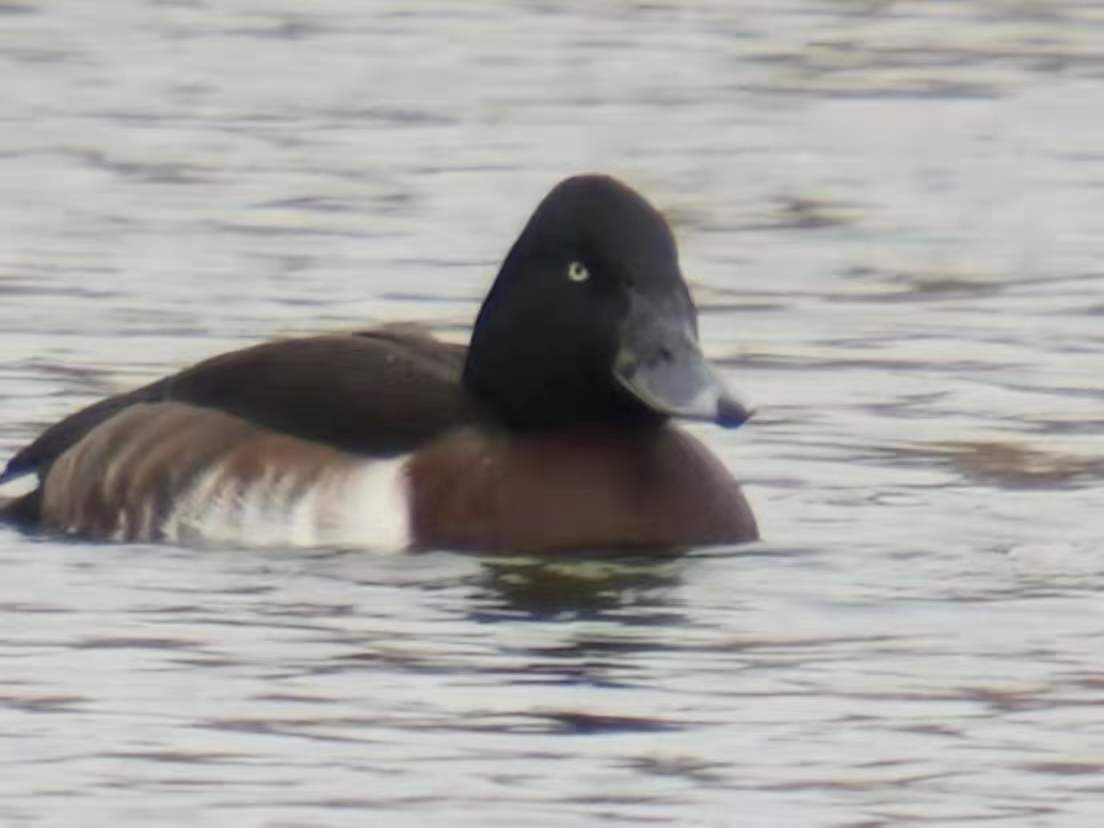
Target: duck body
x=550 y=432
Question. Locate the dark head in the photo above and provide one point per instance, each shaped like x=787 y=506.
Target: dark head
x=590 y=321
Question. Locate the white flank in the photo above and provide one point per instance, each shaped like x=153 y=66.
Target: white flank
x=19 y=486
x=364 y=504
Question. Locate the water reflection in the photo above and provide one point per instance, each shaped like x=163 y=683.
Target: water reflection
x=631 y=588
x=1002 y=464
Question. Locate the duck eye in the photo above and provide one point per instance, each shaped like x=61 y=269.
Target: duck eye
x=577 y=272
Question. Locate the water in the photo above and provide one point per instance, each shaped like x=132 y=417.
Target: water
x=890 y=213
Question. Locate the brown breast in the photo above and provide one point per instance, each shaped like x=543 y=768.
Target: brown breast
x=597 y=489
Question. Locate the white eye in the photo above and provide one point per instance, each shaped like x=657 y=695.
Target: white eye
x=577 y=272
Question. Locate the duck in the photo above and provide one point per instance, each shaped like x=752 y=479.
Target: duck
x=553 y=430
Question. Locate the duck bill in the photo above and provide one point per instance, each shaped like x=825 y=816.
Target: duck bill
x=661 y=364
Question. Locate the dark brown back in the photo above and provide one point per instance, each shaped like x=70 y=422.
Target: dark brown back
x=379 y=392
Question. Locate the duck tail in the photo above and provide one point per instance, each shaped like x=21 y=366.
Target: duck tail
x=23 y=511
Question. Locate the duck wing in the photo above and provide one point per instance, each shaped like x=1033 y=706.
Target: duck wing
x=380 y=392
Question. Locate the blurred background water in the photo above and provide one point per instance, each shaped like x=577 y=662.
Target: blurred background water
x=890 y=213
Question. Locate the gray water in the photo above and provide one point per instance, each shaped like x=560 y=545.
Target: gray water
x=891 y=214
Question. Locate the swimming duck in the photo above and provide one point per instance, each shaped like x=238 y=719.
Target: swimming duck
x=550 y=431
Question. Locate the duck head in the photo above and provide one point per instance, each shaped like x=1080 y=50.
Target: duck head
x=590 y=320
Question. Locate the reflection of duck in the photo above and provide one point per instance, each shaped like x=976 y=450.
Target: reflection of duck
x=585 y=586
x=548 y=432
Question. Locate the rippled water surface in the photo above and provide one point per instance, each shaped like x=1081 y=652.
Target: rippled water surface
x=891 y=213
